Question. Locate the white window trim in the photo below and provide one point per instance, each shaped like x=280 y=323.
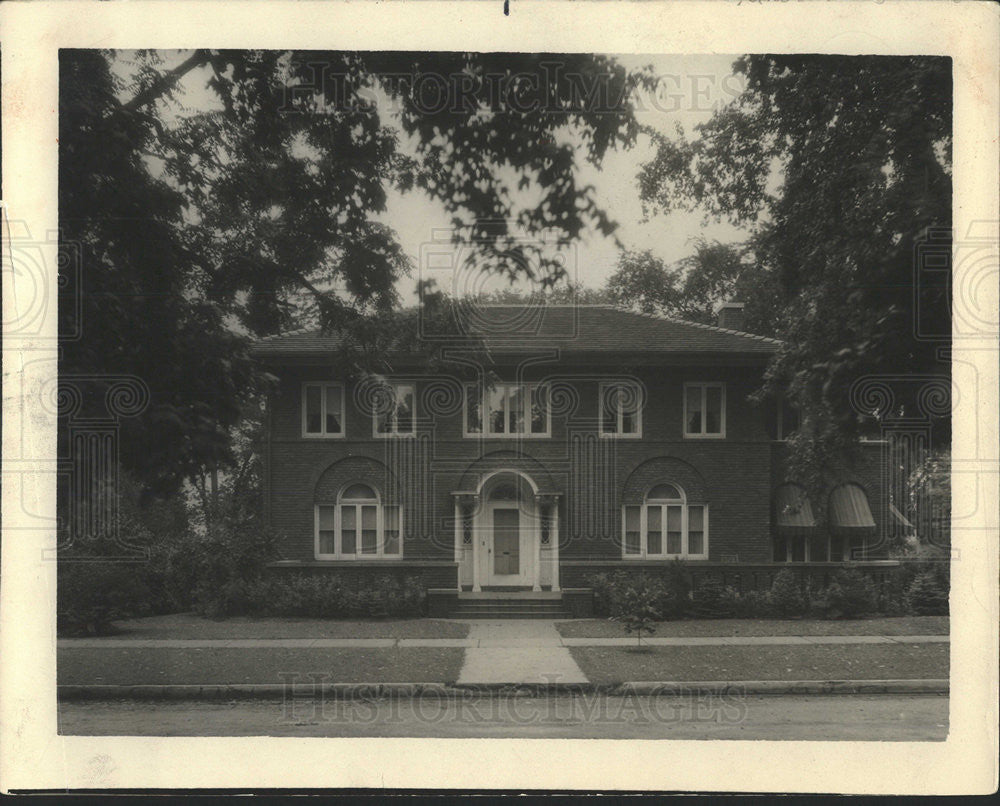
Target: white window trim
x=379 y=527
x=323 y=434
x=394 y=385
x=617 y=433
x=643 y=521
x=480 y=391
x=703 y=385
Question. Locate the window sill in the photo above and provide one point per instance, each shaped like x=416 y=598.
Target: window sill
x=373 y=562
x=322 y=436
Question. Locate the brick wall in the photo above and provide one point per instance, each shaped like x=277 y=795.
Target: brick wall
x=734 y=476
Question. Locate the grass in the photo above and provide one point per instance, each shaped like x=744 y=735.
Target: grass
x=198 y=666
x=903 y=625
x=189 y=625
x=727 y=663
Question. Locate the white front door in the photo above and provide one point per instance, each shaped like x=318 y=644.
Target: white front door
x=508 y=540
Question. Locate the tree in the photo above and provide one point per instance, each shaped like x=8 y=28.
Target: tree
x=559 y=294
x=693 y=287
x=195 y=231
x=841 y=167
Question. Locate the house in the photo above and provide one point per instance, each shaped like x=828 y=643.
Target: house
x=579 y=439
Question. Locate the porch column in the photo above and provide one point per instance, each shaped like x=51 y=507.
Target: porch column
x=536 y=575
x=458 y=544
x=475 y=546
x=554 y=544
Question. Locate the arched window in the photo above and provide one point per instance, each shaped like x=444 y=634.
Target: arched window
x=360 y=526
x=665 y=526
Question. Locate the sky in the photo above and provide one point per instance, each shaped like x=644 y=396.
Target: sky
x=690 y=87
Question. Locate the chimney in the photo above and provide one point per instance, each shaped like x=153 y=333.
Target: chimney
x=731 y=316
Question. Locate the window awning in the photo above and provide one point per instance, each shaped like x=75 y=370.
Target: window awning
x=849 y=511
x=793 y=511
x=899 y=517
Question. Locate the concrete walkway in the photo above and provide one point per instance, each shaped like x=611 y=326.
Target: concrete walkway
x=518 y=651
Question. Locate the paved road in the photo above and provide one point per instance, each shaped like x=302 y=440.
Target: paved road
x=844 y=717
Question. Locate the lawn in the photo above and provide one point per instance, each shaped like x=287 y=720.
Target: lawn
x=188 y=625
x=728 y=663
x=206 y=666
x=903 y=625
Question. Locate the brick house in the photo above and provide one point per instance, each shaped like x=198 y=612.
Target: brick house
x=605 y=440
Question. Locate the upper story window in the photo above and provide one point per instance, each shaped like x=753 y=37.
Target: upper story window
x=665 y=526
x=621 y=409
x=322 y=410
x=705 y=410
x=358 y=527
x=507 y=410
x=783 y=419
x=395 y=413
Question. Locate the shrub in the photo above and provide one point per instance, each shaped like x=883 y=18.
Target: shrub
x=93 y=593
x=638 y=610
x=926 y=596
x=670 y=590
x=850 y=594
x=712 y=599
x=215 y=573
x=785 y=599
x=752 y=604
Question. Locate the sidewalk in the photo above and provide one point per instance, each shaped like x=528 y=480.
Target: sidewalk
x=504 y=653
x=487 y=640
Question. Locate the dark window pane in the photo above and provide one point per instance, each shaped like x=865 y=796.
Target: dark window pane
x=674 y=545
x=713 y=410
x=313 y=420
x=798 y=549
x=664 y=492
x=473 y=412
x=369 y=532
x=654 y=530
x=358 y=491
x=696 y=530
x=693 y=424
x=495 y=398
x=632 y=534
x=348 y=530
x=404 y=410
x=539 y=409
x=333 y=402
x=515 y=410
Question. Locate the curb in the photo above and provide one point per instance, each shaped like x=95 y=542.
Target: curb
x=369 y=691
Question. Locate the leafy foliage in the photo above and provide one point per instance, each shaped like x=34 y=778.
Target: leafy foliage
x=638 y=610
x=692 y=288
x=842 y=168
x=785 y=597
x=92 y=594
x=927 y=596
x=850 y=594
x=194 y=230
x=712 y=599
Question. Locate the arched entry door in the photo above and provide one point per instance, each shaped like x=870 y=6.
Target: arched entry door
x=510 y=529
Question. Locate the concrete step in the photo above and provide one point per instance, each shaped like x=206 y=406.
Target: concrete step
x=511 y=614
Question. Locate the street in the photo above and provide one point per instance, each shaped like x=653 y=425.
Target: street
x=496 y=715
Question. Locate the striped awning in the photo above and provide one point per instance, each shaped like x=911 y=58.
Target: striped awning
x=793 y=513
x=899 y=517
x=849 y=511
